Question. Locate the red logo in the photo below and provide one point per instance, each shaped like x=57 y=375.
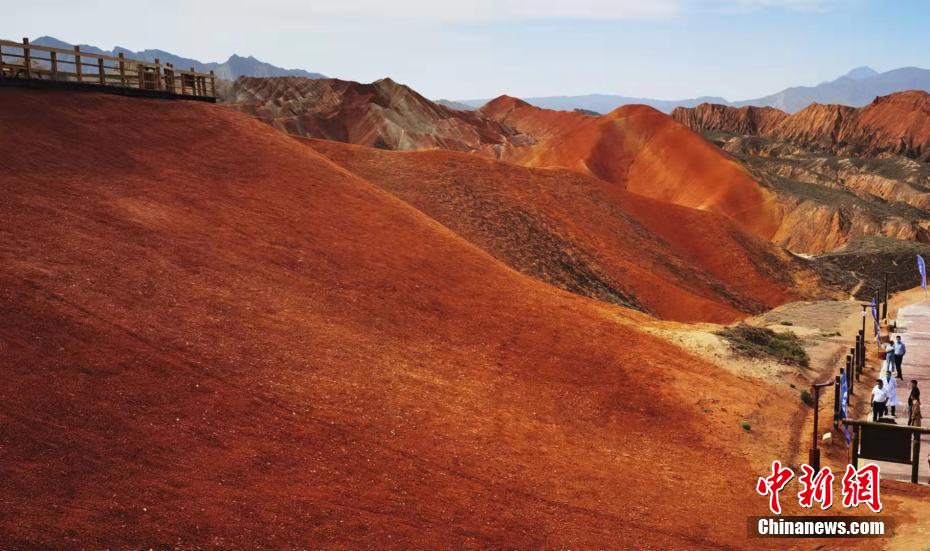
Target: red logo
x=862 y=486
x=817 y=488
x=859 y=486
x=773 y=484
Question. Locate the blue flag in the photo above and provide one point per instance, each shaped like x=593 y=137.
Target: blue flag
x=844 y=401
x=922 y=268
x=878 y=338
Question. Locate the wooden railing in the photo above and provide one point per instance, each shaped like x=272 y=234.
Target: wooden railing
x=27 y=61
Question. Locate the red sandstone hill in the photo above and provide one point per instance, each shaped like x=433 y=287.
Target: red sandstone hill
x=382 y=114
x=645 y=152
x=840 y=173
x=215 y=337
x=590 y=237
x=636 y=147
x=817 y=126
x=742 y=120
x=897 y=124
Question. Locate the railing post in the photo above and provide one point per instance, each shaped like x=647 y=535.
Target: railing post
x=854 y=449
x=915 y=447
x=54 y=60
x=77 y=63
x=27 y=57
x=885 y=303
x=158 y=82
x=212 y=84
x=102 y=75
x=862 y=350
x=854 y=352
x=813 y=455
x=849 y=365
x=122 y=70
x=193 y=82
x=836 y=402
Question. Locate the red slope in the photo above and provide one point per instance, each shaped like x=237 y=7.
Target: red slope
x=213 y=337
x=647 y=153
x=587 y=236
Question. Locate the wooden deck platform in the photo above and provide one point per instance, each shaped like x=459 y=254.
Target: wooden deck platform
x=25 y=64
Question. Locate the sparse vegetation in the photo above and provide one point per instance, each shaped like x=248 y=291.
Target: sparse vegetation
x=759 y=342
x=807 y=398
x=786 y=322
x=746 y=426
x=866 y=259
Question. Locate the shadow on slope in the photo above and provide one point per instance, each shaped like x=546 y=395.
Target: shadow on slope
x=586 y=236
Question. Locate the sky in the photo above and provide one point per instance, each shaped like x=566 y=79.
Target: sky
x=660 y=49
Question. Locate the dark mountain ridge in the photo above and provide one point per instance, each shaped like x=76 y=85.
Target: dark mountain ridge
x=234 y=67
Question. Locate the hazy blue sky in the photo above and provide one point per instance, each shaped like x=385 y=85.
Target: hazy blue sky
x=666 y=49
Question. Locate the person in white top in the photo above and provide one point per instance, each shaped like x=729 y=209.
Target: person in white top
x=889 y=353
x=879 y=397
x=891 y=389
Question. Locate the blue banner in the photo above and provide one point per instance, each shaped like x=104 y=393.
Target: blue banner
x=878 y=338
x=844 y=401
x=922 y=268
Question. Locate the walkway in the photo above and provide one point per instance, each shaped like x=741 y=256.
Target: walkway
x=914 y=328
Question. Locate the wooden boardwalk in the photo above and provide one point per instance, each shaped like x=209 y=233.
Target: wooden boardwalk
x=25 y=64
x=914 y=328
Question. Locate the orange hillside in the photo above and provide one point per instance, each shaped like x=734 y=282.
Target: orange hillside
x=648 y=153
x=587 y=236
x=215 y=337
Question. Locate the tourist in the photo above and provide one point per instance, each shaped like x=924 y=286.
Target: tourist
x=913 y=405
x=891 y=390
x=879 y=397
x=899 y=351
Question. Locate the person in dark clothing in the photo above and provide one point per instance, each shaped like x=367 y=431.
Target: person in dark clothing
x=913 y=405
x=899 y=351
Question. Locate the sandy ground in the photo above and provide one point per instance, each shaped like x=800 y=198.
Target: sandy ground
x=825 y=326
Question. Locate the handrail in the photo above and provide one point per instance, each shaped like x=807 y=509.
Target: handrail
x=103 y=71
x=65 y=51
x=908 y=428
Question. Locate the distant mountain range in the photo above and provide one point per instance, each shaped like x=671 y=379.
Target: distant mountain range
x=856 y=88
x=599 y=103
x=233 y=68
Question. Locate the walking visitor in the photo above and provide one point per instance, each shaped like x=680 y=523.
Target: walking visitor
x=899 y=351
x=891 y=391
x=879 y=397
